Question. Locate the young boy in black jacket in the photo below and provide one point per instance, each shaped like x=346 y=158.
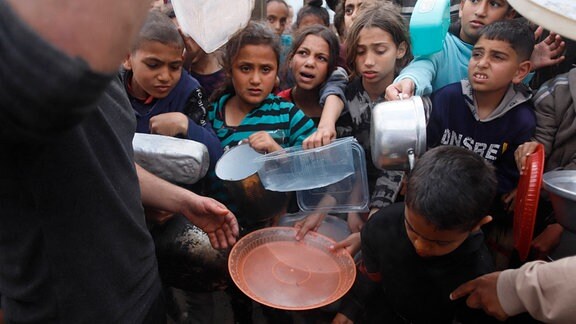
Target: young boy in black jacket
x=417 y=252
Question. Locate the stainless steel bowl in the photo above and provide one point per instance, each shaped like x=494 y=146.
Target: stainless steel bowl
x=561 y=187
x=398 y=133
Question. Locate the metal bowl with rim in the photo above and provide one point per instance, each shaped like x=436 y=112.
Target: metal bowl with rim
x=561 y=187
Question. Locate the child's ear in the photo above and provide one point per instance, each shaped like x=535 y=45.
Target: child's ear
x=522 y=71
x=127 y=64
x=487 y=219
x=401 y=50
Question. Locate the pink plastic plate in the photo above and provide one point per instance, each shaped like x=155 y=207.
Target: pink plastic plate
x=274 y=269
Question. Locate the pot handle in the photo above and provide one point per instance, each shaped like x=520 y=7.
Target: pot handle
x=410 y=153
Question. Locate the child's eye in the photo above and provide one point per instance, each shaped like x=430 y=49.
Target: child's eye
x=151 y=65
x=266 y=69
x=244 y=68
x=348 y=11
x=495 y=4
x=322 y=58
x=175 y=67
x=271 y=19
x=380 y=51
x=302 y=53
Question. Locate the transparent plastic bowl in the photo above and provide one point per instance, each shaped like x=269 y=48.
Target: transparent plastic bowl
x=295 y=168
x=350 y=194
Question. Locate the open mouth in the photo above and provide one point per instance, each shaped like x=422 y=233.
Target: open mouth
x=308 y=76
x=480 y=76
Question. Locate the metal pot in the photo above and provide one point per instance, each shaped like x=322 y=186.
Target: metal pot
x=186 y=259
x=257 y=207
x=398 y=133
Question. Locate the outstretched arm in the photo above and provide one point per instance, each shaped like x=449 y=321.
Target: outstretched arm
x=206 y=213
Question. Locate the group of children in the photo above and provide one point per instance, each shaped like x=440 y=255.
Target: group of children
x=422 y=237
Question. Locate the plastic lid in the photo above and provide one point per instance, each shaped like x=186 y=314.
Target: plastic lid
x=526 y=206
x=238 y=163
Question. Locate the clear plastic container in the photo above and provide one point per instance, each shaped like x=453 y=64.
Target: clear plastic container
x=347 y=195
x=428 y=26
x=296 y=169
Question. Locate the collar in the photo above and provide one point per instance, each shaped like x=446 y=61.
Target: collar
x=515 y=95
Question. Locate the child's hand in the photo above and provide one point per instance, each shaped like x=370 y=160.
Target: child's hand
x=522 y=153
x=351 y=244
x=169 y=124
x=509 y=200
x=311 y=223
x=322 y=136
x=355 y=222
x=548 y=52
x=401 y=90
x=263 y=142
x=341 y=319
x=545 y=243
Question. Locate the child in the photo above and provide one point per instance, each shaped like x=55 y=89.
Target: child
x=377 y=48
x=554 y=105
x=166 y=100
x=202 y=66
x=246 y=110
x=418 y=252
x=311 y=61
x=432 y=72
x=490 y=113
x=311 y=14
x=251 y=63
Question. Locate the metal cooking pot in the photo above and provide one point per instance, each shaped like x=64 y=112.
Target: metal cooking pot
x=256 y=205
x=398 y=133
x=186 y=259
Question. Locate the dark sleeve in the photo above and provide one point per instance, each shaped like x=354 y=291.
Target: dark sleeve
x=199 y=129
x=43 y=90
x=366 y=284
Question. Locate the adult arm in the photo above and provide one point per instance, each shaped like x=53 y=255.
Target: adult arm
x=53 y=71
x=545 y=290
x=206 y=213
x=99 y=32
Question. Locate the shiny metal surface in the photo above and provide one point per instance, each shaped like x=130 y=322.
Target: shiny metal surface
x=398 y=128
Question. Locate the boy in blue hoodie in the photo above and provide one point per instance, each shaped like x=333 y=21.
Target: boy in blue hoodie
x=165 y=98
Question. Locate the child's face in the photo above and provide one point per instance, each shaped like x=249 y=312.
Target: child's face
x=351 y=10
x=156 y=69
x=310 y=62
x=310 y=20
x=254 y=73
x=493 y=65
x=475 y=14
x=427 y=240
x=276 y=16
x=376 y=56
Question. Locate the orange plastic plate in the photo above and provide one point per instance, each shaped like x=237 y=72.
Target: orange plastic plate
x=526 y=206
x=274 y=269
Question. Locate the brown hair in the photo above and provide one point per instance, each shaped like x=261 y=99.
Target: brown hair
x=387 y=17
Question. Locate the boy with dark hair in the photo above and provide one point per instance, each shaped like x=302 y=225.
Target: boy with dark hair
x=165 y=98
x=428 y=73
x=490 y=113
x=417 y=250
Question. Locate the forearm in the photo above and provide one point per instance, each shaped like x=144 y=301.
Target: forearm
x=331 y=112
x=97 y=31
x=160 y=194
x=545 y=290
